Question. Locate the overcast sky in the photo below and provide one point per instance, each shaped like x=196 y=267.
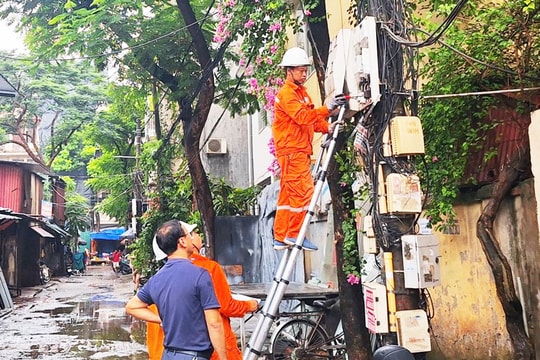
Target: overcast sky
x=10 y=40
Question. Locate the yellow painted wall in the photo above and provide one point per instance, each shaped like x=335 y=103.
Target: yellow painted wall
x=469 y=322
x=468 y=316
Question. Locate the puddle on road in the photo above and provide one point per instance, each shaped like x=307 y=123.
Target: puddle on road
x=100 y=325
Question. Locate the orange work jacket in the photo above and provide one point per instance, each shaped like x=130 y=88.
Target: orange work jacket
x=229 y=308
x=296 y=120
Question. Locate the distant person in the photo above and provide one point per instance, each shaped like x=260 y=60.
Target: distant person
x=185 y=297
x=229 y=306
x=296 y=119
x=116 y=260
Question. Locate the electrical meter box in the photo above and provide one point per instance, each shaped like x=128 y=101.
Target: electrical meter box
x=403 y=194
x=369 y=242
x=406 y=136
x=412 y=330
x=420 y=261
x=376 y=308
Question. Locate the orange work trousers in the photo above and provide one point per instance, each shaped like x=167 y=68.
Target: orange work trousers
x=295 y=193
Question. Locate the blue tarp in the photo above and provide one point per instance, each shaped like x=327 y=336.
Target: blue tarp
x=108 y=234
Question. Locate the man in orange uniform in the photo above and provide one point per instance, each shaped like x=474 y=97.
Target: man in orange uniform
x=229 y=306
x=295 y=121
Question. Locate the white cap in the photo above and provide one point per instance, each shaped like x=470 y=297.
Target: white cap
x=295 y=57
x=160 y=254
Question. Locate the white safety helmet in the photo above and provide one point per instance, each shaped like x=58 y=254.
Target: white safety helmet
x=295 y=57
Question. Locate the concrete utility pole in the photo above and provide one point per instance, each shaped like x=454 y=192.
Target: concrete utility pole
x=136 y=202
x=396 y=188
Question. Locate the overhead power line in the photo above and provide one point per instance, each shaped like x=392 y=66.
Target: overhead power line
x=478 y=93
x=109 y=53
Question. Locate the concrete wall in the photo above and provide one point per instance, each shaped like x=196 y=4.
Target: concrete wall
x=232 y=166
x=469 y=321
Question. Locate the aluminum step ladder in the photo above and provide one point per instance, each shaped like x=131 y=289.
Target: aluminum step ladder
x=286 y=266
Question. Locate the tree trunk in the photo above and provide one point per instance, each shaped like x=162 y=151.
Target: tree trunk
x=318 y=29
x=350 y=296
x=500 y=267
x=194 y=124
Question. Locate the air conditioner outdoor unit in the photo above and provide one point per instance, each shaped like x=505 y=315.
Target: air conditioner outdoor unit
x=216 y=146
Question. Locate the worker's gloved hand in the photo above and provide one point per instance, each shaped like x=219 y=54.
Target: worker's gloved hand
x=338 y=100
x=332 y=126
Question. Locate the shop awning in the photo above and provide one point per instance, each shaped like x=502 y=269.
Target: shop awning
x=128 y=234
x=42 y=232
x=108 y=234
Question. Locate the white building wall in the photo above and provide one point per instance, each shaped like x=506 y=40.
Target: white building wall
x=233 y=165
x=261 y=157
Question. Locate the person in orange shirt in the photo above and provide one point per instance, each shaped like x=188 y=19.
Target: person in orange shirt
x=229 y=306
x=295 y=121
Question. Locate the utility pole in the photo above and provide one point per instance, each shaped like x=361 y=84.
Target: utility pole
x=136 y=202
x=397 y=197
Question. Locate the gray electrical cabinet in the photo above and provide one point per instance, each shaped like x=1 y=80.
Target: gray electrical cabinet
x=421 y=261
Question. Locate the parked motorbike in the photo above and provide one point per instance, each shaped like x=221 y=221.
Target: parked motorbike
x=124 y=267
x=68 y=261
x=69 y=269
x=44 y=272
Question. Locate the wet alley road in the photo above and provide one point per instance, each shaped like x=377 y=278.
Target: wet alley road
x=77 y=317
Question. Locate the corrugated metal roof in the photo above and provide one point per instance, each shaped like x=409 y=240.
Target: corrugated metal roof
x=42 y=232
x=8 y=217
x=32 y=166
x=505 y=140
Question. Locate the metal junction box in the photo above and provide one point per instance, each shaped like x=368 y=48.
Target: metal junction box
x=413 y=331
x=421 y=261
x=376 y=307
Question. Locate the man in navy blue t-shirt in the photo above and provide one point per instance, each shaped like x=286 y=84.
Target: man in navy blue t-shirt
x=185 y=297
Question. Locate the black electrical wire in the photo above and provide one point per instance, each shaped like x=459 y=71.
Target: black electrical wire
x=432 y=38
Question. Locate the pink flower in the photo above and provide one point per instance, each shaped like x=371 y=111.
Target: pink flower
x=275 y=27
x=249 y=24
x=353 y=279
x=435 y=159
x=269 y=61
x=307 y=12
x=273 y=49
x=274 y=166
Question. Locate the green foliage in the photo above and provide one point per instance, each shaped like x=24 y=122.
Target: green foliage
x=230 y=201
x=77 y=211
x=260 y=30
x=488 y=36
x=349 y=168
x=177 y=203
x=113 y=182
x=55 y=102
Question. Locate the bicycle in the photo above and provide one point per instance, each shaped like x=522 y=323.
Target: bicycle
x=305 y=336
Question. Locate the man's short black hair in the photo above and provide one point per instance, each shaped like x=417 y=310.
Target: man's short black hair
x=168 y=234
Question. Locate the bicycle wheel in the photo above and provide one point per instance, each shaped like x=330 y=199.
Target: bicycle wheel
x=299 y=339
